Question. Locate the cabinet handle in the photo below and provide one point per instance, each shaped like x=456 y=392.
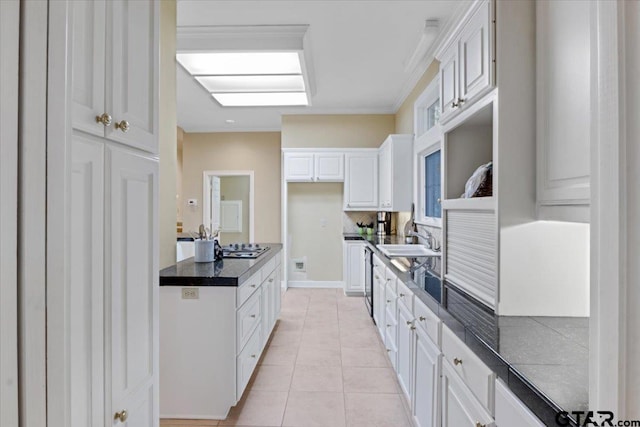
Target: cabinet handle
x=123 y=126
x=454 y=104
x=105 y=119
x=388 y=325
x=253 y=355
x=253 y=286
x=253 y=316
x=460 y=101
x=422 y=318
x=270 y=280
x=388 y=301
x=412 y=327
x=457 y=361
x=480 y=425
x=409 y=322
x=121 y=416
x=401 y=295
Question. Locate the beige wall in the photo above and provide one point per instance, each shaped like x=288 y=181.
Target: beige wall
x=404 y=115
x=236 y=188
x=179 y=199
x=315 y=228
x=168 y=136
x=336 y=131
x=257 y=151
x=311 y=203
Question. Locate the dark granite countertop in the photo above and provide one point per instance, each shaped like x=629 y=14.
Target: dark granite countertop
x=543 y=360
x=226 y=272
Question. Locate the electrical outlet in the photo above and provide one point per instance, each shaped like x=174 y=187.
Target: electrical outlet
x=190 y=293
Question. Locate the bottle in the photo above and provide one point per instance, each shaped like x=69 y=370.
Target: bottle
x=410 y=227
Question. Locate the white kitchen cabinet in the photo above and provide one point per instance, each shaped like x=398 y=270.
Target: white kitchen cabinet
x=426 y=377
x=353 y=267
x=564 y=75
x=466 y=64
x=115 y=65
x=132 y=286
x=510 y=411
x=361 y=181
x=396 y=174
x=313 y=166
x=460 y=408
x=405 y=348
x=379 y=304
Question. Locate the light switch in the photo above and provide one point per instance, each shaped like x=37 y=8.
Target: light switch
x=192 y=202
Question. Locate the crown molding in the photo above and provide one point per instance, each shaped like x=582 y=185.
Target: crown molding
x=228 y=129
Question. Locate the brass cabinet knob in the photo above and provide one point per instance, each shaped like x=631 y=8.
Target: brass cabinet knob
x=388 y=325
x=388 y=301
x=121 y=416
x=253 y=286
x=123 y=126
x=478 y=424
x=253 y=355
x=270 y=280
x=409 y=322
x=457 y=361
x=454 y=104
x=412 y=327
x=401 y=295
x=253 y=316
x=105 y=119
x=460 y=101
x=422 y=318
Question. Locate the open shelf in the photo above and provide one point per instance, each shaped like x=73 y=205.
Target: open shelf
x=474 y=204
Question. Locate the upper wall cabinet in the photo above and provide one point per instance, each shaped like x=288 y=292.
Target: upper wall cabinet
x=314 y=167
x=361 y=181
x=466 y=63
x=115 y=65
x=396 y=173
x=564 y=75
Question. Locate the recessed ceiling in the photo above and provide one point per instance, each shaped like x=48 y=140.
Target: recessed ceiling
x=359 y=52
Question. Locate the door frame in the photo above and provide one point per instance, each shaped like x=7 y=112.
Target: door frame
x=206 y=199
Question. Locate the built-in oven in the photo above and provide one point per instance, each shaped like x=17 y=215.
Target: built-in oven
x=368 y=279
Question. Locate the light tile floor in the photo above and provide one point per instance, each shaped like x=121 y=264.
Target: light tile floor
x=325 y=366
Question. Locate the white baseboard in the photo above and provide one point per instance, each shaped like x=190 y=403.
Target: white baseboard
x=316 y=284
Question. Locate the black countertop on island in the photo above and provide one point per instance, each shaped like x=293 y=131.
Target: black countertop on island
x=226 y=272
x=543 y=360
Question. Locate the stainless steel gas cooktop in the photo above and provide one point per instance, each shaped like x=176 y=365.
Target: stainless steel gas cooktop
x=243 y=250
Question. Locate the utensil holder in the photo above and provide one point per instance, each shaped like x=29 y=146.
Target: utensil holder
x=204 y=250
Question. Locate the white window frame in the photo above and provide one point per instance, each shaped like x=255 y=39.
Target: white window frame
x=426 y=143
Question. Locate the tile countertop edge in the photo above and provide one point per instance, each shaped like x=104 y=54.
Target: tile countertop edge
x=172 y=279
x=535 y=399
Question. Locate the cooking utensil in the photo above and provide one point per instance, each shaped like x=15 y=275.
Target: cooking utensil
x=202 y=231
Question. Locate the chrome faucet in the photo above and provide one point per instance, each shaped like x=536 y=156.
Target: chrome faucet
x=432 y=242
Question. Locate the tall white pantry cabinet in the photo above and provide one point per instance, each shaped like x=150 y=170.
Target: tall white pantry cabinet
x=103 y=123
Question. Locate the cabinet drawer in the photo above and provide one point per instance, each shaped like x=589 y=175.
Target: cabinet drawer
x=246 y=362
x=405 y=296
x=246 y=289
x=248 y=317
x=391 y=281
x=473 y=372
x=391 y=299
x=392 y=348
x=427 y=320
x=267 y=269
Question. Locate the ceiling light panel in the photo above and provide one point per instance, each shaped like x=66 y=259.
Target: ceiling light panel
x=261 y=99
x=240 y=63
x=264 y=83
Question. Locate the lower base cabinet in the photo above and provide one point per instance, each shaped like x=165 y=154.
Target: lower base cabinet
x=426 y=374
x=353 y=267
x=460 y=408
x=510 y=411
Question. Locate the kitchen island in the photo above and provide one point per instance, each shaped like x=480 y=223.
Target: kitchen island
x=215 y=319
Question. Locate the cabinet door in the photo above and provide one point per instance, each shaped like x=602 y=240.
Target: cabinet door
x=329 y=167
x=475 y=51
x=426 y=377
x=298 y=167
x=132 y=73
x=132 y=279
x=449 y=82
x=385 y=177
x=460 y=408
x=405 y=333
x=354 y=267
x=361 y=182
x=86 y=284
x=87 y=35
x=510 y=411
x=379 y=304
x=277 y=292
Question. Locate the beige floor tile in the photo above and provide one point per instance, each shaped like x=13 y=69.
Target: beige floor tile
x=314 y=409
x=172 y=422
x=369 y=380
x=273 y=378
x=318 y=356
x=359 y=338
x=317 y=378
x=259 y=408
x=321 y=326
x=366 y=358
x=327 y=340
x=375 y=410
x=279 y=355
x=287 y=338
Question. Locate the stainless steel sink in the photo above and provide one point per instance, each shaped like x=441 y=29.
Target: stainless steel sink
x=407 y=251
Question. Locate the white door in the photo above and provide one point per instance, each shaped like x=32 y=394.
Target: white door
x=361 y=182
x=9 y=22
x=132 y=73
x=405 y=335
x=329 y=167
x=449 y=82
x=475 y=61
x=215 y=221
x=85 y=291
x=460 y=408
x=299 y=167
x=132 y=292
x=426 y=377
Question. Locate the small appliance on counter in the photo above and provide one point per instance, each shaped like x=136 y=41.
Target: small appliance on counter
x=243 y=250
x=384 y=223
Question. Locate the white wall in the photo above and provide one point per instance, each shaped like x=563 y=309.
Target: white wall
x=236 y=188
